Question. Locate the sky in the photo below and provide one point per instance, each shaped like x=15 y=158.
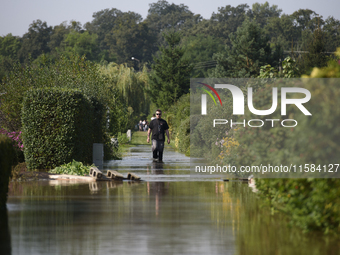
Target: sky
x=17 y=15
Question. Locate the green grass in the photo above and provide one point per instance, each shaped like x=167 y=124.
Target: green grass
x=139 y=138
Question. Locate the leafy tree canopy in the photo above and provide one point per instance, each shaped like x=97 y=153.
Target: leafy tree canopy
x=171 y=73
x=163 y=16
x=35 y=41
x=248 y=51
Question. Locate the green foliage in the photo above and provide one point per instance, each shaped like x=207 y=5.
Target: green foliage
x=131 y=39
x=73 y=73
x=139 y=138
x=7 y=160
x=267 y=71
x=263 y=12
x=306 y=19
x=178 y=118
x=332 y=70
x=9 y=47
x=164 y=17
x=122 y=138
x=127 y=97
x=200 y=49
x=309 y=141
x=312 y=204
x=35 y=41
x=59 y=126
x=113 y=35
x=226 y=21
x=103 y=22
x=289 y=70
x=248 y=51
x=73 y=168
x=331 y=29
x=316 y=56
x=119 y=89
x=81 y=44
x=170 y=79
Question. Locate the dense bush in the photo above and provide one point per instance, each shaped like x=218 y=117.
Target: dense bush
x=178 y=118
x=7 y=160
x=312 y=204
x=59 y=125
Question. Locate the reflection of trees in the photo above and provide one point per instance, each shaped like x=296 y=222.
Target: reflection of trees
x=5 y=237
x=259 y=231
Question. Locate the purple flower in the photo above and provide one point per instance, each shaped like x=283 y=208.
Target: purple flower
x=15 y=136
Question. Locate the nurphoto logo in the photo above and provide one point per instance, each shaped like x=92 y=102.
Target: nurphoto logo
x=238 y=104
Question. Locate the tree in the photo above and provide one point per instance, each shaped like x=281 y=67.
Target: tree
x=163 y=16
x=131 y=38
x=283 y=27
x=81 y=44
x=199 y=50
x=228 y=19
x=316 y=56
x=9 y=47
x=58 y=35
x=35 y=41
x=171 y=73
x=102 y=24
x=332 y=34
x=249 y=51
x=120 y=35
x=128 y=97
x=307 y=19
x=262 y=12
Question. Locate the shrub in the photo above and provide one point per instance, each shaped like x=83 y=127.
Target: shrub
x=59 y=125
x=312 y=204
x=178 y=118
x=73 y=168
x=7 y=160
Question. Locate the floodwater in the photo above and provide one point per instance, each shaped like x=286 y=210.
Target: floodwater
x=167 y=213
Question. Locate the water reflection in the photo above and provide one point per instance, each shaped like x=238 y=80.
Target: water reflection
x=157 y=189
x=167 y=213
x=153 y=216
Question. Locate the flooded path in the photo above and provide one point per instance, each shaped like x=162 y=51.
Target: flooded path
x=167 y=213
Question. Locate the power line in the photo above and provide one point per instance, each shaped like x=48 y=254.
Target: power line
x=300 y=51
x=205 y=64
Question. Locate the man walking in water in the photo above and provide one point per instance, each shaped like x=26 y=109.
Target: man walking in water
x=158 y=127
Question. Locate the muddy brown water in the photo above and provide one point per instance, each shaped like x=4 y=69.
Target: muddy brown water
x=168 y=213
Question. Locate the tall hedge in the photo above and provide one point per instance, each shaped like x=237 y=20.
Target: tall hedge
x=7 y=160
x=59 y=125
